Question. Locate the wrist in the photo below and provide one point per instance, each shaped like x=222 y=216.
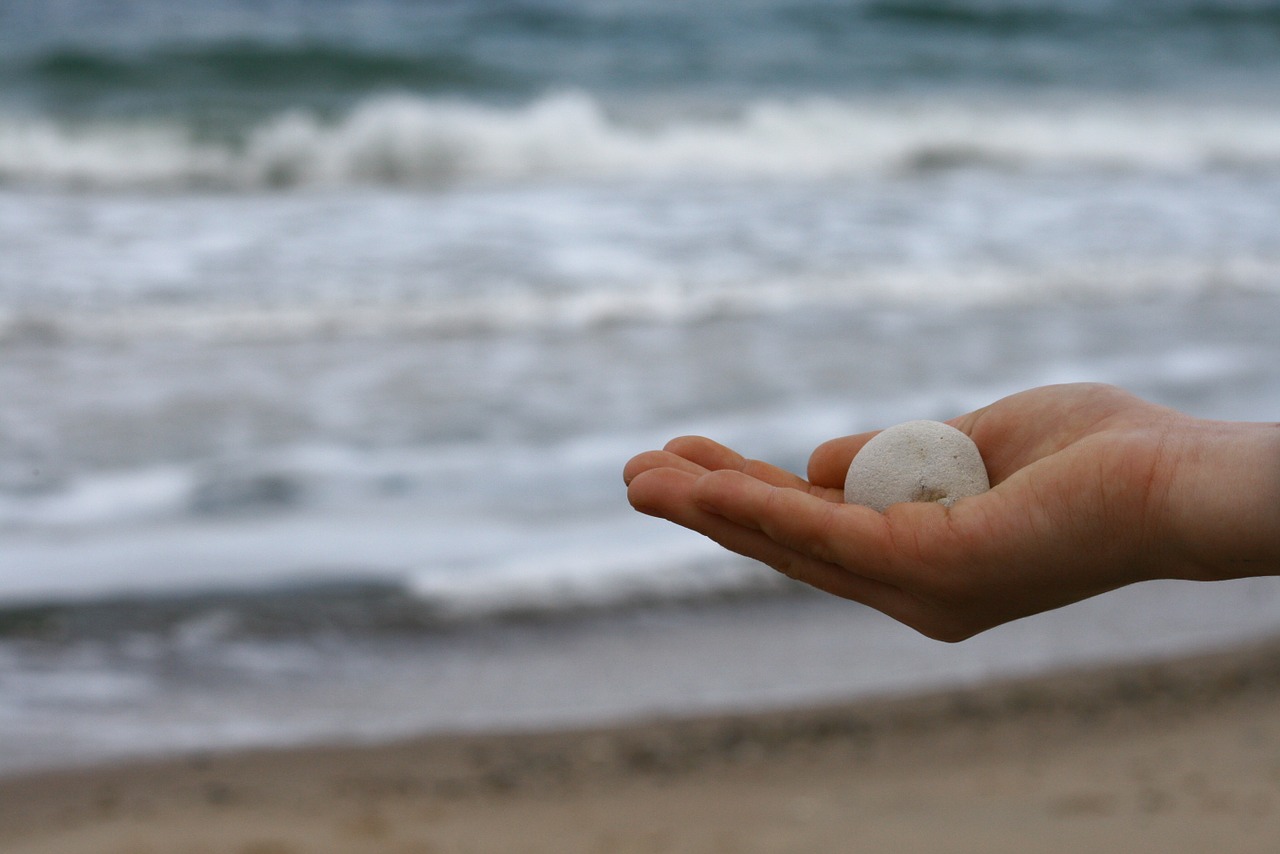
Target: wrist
x=1224 y=500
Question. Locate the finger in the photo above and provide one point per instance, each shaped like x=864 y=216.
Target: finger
x=857 y=538
x=707 y=453
x=829 y=462
x=669 y=493
x=657 y=460
x=713 y=456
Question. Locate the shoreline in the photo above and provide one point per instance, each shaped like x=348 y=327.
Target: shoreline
x=1182 y=752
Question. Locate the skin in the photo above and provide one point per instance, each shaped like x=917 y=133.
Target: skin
x=1092 y=489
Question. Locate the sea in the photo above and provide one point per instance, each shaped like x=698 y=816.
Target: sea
x=327 y=327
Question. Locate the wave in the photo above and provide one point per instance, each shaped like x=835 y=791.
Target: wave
x=956 y=286
x=472 y=568
x=421 y=142
x=339 y=541
x=367 y=609
x=371 y=607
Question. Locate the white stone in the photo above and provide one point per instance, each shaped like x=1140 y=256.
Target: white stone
x=916 y=461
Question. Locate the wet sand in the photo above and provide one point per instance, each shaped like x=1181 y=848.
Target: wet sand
x=1169 y=756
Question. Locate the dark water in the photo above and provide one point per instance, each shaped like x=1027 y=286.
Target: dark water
x=222 y=59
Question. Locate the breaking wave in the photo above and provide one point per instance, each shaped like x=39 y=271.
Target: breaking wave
x=422 y=142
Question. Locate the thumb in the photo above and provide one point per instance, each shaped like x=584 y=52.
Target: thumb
x=829 y=463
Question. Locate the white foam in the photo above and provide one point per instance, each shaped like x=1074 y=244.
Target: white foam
x=585 y=568
x=473 y=549
x=658 y=301
x=107 y=155
x=466 y=565
x=406 y=140
x=104 y=499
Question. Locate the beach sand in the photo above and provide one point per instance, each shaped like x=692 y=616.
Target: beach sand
x=1172 y=756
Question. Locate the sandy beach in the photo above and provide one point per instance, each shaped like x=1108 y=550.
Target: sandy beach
x=1171 y=756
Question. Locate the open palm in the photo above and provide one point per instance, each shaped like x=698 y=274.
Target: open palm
x=1077 y=506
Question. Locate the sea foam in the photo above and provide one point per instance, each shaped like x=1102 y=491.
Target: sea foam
x=415 y=141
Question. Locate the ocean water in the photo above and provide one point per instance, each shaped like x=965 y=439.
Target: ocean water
x=326 y=328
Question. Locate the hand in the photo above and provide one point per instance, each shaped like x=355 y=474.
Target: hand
x=1092 y=489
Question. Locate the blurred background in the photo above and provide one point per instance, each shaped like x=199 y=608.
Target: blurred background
x=326 y=328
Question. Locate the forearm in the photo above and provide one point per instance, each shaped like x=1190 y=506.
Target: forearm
x=1223 y=500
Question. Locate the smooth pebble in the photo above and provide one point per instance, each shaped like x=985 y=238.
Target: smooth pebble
x=916 y=461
